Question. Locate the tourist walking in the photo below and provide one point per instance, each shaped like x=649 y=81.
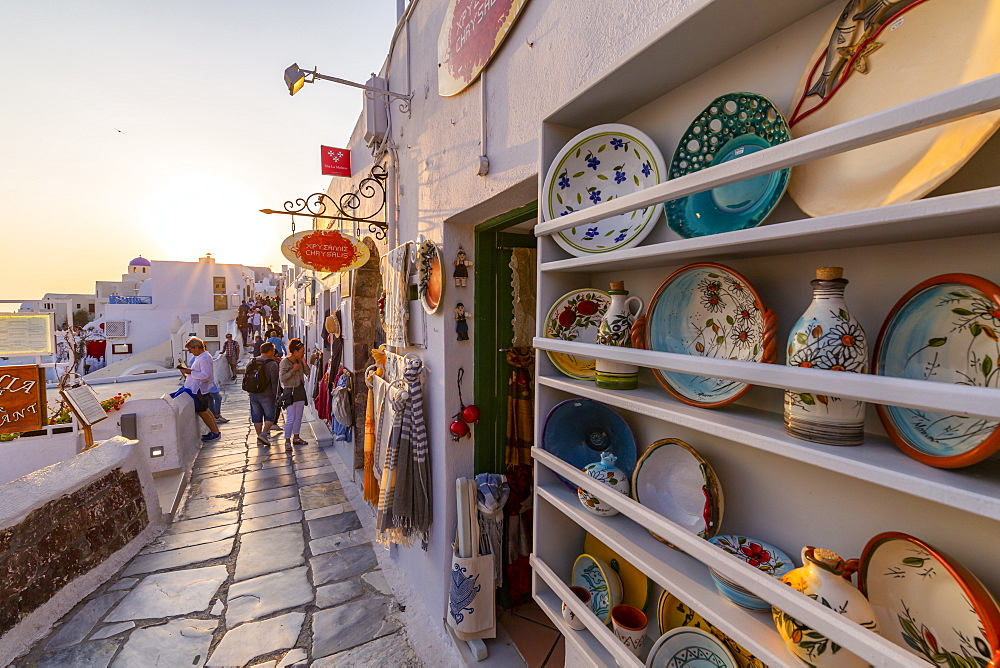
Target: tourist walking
x=243 y=325
x=255 y=321
x=260 y=380
x=292 y=373
x=198 y=379
x=279 y=343
x=231 y=350
x=257 y=343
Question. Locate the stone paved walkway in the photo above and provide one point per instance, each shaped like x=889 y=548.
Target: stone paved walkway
x=266 y=564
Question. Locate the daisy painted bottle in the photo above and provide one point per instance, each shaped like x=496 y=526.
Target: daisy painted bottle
x=827 y=336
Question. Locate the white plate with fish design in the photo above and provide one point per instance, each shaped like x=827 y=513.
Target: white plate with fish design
x=600 y=165
x=603 y=583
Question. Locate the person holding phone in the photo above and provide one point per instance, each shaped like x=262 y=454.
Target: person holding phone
x=292 y=373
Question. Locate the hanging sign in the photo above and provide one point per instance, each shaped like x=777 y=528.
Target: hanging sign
x=335 y=161
x=23 y=334
x=473 y=31
x=22 y=399
x=324 y=250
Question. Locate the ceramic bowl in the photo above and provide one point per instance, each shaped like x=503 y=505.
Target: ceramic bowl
x=731 y=127
x=579 y=430
x=928 y=603
x=672 y=479
x=575 y=317
x=430 y=276
x=672 y=614
x=599 y=165
x=636 y=586
x=944 y=330
x=689 y=647
x=708 y=310
x=605 y=587
x=757 y=553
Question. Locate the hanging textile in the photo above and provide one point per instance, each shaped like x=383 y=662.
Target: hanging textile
x=522 y=283
x=518 y=512
x=395 y=272
x=404 y=509
x=492 y=495
x=341 y=407
x=370 y=483
x=520 y=407
x=321 y=400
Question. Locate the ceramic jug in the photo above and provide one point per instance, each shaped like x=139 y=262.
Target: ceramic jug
x=615 y=330
x=827 y=336
x=824 y=576
x=606 y=472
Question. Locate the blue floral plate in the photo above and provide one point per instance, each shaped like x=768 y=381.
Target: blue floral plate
x=600 y=165
x=577 y=431
x=731 y=127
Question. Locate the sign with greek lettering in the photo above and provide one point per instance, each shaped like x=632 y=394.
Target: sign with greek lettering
x=324 y=250
x=22 y=399
x=473 y=31
x=25 y=334
x=118 y=299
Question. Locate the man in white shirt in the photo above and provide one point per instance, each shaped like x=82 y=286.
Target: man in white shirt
x=199 y=379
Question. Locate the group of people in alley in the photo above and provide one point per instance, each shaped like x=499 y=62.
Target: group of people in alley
x=275 y=379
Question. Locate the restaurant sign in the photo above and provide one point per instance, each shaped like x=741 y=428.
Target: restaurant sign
x=473 y=31
x=324 y=250
x=22 y=399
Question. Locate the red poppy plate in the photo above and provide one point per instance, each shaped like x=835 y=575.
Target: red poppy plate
x=575 y=317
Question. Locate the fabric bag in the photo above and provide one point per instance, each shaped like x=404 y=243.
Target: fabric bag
x=471 y=604
x=342 y=401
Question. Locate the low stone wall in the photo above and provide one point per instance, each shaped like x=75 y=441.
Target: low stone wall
x=28 y=454
x=64 y=530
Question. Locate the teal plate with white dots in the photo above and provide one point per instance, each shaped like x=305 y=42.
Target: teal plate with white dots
x=731 y=127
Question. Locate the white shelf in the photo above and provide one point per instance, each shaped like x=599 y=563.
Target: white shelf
x=689 y=580
x=587 y=643
x=922 y=394
x=976 y=97
x=878 y=461
x=961 y=214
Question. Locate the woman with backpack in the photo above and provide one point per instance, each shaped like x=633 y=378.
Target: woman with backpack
x=292 y=372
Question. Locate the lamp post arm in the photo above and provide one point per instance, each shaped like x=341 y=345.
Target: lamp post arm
x=376 y=91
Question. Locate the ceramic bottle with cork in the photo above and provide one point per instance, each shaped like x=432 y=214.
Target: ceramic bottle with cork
x=827 y=336
x=616 y=330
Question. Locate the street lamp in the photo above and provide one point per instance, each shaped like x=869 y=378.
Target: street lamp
x=295 y=78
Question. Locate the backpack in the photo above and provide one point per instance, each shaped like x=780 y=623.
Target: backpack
x=255 y=378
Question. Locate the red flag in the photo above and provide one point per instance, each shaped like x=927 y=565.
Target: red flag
x=335 y=161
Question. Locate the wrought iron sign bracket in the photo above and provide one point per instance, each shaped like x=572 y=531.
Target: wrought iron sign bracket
x=344 y=209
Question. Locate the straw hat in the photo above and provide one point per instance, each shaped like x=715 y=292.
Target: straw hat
x=923 y=48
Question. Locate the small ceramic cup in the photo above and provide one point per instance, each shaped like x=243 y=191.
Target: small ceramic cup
x=630 y=626
x=571 y=619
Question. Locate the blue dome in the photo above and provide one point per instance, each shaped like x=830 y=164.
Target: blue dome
x=139 y=262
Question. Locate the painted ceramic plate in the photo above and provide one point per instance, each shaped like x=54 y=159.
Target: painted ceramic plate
x=672 y=614
x=929 y=603
x=892 y=65
x=945 y=330
x=635 y=585
x=689 y=648
x=430 y=277
x=673 y=480
x=707 y=309
x=600 y=165
x=579 y=430
x=757 y=553
x=575 y=317
x=731 y=127
x=605 y=587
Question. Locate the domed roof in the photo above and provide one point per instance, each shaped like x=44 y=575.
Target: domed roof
x=139 y=262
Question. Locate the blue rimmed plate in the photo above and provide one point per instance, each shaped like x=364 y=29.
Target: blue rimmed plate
x=577 y=431
x=600 y=165
x=758 y=554
x=731 y=127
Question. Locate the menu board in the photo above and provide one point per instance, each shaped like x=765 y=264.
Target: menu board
x=22 y=399
x=25 y=334
x=85 y=404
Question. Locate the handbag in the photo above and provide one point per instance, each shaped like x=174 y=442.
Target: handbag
x=287 y=397
x=471 y=604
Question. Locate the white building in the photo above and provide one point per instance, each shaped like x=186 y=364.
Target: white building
x=54 y=302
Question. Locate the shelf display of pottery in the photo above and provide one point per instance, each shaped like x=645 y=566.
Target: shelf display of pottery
x=616 y=330
x=580 y=430
x=636 y=585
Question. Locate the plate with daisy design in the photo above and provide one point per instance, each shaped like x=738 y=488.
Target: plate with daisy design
x=599 y=165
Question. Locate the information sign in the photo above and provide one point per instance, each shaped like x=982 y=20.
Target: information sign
x=25 y=334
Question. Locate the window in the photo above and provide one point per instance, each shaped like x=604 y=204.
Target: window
x=211 y=331
x=219 y=285
x=91 y=308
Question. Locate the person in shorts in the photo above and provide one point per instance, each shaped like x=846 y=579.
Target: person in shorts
x=199 y=379
x=263 y=404
x=231 y=350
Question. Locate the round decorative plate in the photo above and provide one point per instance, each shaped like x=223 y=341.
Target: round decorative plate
x=928 y=603
x=689 y=648
x=757 y=553
x=575 y=317
x=731 y=127
x=577 y=431
x=636 y=586
x=876 y=59
x=600 y=165
x=672 y=479
x=672 y=614
x=707 y=309
x=604 y=585
x=430 y=276
x=946 y=330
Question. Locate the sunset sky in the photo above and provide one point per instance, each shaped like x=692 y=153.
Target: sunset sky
x=160 y=128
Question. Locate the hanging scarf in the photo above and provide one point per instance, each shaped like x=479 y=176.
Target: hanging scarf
x=404 y=510
x=492 y=495
x=370 y=483
x=395 y=271
x=520 y=407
